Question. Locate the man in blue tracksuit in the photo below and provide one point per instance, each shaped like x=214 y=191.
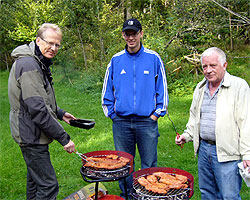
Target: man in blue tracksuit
x=134 y=96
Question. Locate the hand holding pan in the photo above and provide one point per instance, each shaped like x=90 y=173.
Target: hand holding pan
x=82 y=123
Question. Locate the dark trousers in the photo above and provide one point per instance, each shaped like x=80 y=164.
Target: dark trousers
x=41 y=177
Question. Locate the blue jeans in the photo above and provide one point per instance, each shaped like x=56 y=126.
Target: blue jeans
x=217 y=180
x=141 y=131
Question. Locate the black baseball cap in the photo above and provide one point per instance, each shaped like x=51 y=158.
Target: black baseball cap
x=132 y=24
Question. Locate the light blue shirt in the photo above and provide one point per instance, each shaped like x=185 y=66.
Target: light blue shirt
x=208 y=114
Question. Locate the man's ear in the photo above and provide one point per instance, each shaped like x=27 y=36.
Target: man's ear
x=141 y=33
x=38 y=40
x=123 y=35
x=225 y=66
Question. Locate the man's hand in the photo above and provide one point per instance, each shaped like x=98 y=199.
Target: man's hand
x=246 y=163
x=67 y=117
x=153 y=117
x=70 y=147
x=179 y=140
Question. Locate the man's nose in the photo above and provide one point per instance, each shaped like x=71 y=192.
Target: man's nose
x=53 y=47
x=209 y=68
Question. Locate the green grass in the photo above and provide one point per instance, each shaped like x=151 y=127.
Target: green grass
x=67 y=166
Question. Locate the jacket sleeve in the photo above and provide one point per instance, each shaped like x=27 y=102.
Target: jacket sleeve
x=60 y=113
x=243 y=118
x=161 y=90
x=191 y=125
x=108 y=99
x=37 y=103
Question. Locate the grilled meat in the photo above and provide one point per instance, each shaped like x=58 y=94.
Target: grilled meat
x=168 y=181
x=112 y=156
x=152 y=178
x=160 y=182
x=108 y=162
x=178 y=185
x=164 y=175
x=154 y=188
x=151 y=181
x=162 y=186
x=142 y=181
x=182 y=178
x=123 y=159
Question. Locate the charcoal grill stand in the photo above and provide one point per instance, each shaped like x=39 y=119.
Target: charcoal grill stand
x=97 y=180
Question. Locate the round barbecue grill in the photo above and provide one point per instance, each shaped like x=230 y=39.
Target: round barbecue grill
x=140 y=193
x=103 y=175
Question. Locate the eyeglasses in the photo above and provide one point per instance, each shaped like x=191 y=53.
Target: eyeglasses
x=51 y=44
x=127 y=35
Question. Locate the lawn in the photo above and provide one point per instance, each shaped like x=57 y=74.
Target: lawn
x=67 y=166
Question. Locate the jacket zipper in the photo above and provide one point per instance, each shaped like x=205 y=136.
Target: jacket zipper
x=134 y=87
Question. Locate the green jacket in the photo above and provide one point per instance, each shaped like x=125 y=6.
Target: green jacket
x=33 y=109
x=232 y=129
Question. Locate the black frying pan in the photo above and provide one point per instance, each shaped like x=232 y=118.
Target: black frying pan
x=82 y=123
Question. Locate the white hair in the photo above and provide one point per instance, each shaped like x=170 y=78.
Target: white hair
x=47 y=26
x=210 y=51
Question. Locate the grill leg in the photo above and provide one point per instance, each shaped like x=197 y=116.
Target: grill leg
x=96 y=190
x=125 y=187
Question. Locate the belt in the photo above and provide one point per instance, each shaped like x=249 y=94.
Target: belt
x=133 y=117
x=210 y=142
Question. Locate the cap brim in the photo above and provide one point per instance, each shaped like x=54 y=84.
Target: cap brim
x=131 y=28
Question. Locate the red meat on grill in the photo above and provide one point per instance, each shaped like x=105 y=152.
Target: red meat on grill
x=108 y=162
x=160 y=182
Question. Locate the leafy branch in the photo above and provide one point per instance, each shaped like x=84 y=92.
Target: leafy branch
x=245 y=19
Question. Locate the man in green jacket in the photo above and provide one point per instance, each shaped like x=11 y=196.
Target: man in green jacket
x=219 y=126
x=34 y=112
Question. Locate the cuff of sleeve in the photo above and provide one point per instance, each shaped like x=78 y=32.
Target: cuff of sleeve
x=246 y=157
x=187 y=137
x=112 y=116
x=60 y=114
x=155 y=114
x=64 y=139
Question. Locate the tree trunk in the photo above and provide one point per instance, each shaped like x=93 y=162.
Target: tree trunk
x=127 y=9
x=100 y=37
x=6 y=60
x=150 y=6
x=230 y=28
x=102 y=49
x=83 y=51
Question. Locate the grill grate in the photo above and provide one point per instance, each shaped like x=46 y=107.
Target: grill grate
x=140 y=193
x=103 y=173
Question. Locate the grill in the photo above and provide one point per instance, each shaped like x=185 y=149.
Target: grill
x=140 y=193
x=104 y=174
x=101 y=175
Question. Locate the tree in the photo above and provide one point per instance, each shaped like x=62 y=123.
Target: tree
x=92 y=29
x=21 y=19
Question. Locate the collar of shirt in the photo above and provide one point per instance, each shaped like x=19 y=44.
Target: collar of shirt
x=215 y=93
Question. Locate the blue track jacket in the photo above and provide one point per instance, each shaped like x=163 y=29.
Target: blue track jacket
x=135 y=84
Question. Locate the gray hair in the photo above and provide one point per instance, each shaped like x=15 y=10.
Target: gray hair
x=221 y=54
x=47 y=26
